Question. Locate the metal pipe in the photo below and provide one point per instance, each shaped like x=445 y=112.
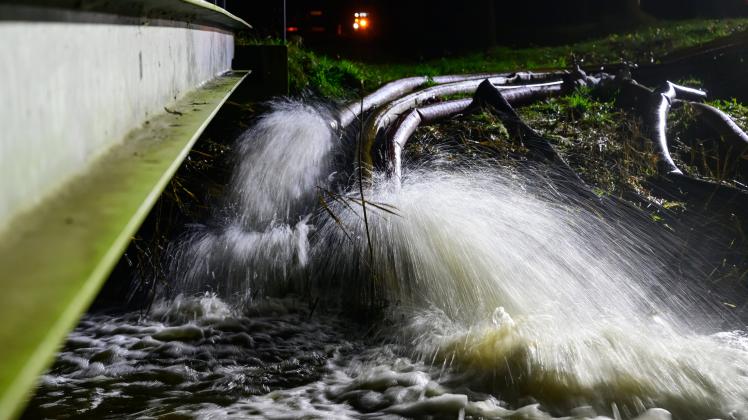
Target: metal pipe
x=516 y=95
x=409 y=125
x=734 y=141
x=390 y=112
x=396 y=89
x=661 y=100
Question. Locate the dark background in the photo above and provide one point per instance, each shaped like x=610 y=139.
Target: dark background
x=438 y=26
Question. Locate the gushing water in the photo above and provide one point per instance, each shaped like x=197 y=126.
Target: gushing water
x=501 y=290
x=489 y=270
x=494 y=274
x=281 y=161
x=259 y=243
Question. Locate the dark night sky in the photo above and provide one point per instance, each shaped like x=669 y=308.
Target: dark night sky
x=453 y=24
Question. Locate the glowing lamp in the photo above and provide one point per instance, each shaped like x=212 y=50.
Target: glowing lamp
x=360 y=21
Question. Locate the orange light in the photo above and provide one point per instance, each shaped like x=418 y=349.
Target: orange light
x=360 y=21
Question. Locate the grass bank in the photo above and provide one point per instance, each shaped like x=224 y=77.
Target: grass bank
x=341 y=78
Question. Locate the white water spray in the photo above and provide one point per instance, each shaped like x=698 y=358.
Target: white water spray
x=501 y=277
x=486 y=271
x=282 y=160
x=260 y=243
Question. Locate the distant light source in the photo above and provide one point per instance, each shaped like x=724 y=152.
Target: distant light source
x=360 y=21
x=316 y=13
x=292 y=29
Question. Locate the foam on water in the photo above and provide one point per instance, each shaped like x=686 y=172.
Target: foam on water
x=506 y=297
x=487 y=270
x=497 y=276
x=187 y=354
x=202 y=358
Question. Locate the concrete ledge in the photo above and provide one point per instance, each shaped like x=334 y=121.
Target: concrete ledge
x=144 y=12
x=55 y=257
x=73 y=89
x=101 y=101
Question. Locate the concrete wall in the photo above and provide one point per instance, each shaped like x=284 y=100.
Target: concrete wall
x=71 y=90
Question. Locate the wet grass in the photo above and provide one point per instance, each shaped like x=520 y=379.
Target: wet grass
x=324 y=76
x=696 y=148
x=605 y=146
x=340 y=78
x=648 y=44
x=609 y=149
x=478 y=137
x=736 y=110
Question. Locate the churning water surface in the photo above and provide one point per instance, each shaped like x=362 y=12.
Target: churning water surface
x=503 y=294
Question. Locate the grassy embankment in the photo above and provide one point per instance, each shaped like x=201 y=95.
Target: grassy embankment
x=603 y=143
x=340 y=78
x=200 y=182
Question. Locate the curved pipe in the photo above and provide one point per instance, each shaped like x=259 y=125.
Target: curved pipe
x=395 y=109
x=398 y=88
x=409 y=125
x=734 y=141
x=686 y=93
x=520 y=95
x=722 y=124
x=663 y=98
x=659 y=101
x=390 y=112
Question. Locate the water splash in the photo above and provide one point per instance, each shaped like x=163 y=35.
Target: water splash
x=515 y=284
x=281 y=161
x=259 y=245
x=582 y=306
x=470 y=240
